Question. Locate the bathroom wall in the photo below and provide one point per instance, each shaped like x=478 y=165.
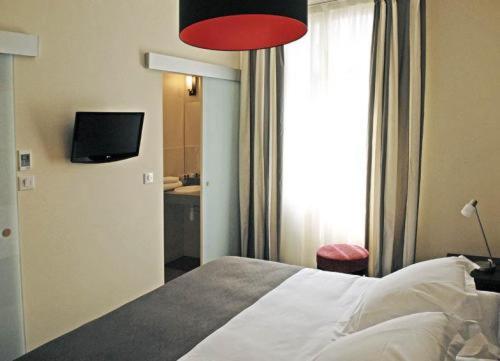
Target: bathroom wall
x=182 y=127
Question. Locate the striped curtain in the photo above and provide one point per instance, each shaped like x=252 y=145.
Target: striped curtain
x=395 y=133
x=261 y=134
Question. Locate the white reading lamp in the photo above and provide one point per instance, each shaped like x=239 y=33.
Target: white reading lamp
x=468 y=211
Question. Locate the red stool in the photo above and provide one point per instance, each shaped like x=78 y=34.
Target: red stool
x=344 y=258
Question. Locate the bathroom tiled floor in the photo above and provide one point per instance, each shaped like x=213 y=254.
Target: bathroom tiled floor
x=180 y=266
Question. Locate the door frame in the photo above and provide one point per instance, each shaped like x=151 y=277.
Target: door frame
x=173 y=64
x=17 y=44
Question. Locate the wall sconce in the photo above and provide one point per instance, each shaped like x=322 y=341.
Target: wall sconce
x=191 y=84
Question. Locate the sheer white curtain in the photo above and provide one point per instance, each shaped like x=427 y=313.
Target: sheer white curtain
x=327 y=77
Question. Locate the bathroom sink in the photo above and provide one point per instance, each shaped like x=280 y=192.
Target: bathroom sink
x=188 y=190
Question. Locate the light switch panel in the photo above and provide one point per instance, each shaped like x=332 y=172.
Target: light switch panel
x=148 y=178
x=26 y=182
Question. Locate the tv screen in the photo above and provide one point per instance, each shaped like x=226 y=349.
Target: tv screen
x=106 y=137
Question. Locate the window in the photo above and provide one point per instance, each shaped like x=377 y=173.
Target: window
x=327 y=77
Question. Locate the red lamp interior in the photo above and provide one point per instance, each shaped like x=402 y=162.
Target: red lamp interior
x=243 y=32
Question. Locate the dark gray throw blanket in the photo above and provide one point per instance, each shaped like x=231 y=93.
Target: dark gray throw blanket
x=168 y=322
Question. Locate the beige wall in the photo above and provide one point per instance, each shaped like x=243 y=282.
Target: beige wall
x=91 y=235
x=461 y=155
x=181 y=126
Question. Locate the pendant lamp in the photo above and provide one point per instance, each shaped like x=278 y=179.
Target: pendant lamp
x=241 y=24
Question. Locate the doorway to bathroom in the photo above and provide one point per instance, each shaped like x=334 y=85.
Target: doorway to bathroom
x=201 y=104
x=182 y=117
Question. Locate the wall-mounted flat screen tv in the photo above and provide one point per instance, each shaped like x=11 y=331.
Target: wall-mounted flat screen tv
x=106 y=137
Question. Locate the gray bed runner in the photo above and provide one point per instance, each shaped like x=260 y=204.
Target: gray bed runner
x=168 y=322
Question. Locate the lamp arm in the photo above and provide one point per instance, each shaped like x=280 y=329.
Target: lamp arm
x=482 y=230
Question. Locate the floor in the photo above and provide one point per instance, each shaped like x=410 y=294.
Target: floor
x=180 y=266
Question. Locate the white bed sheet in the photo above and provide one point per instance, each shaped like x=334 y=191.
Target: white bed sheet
x=295 y=321
x=490 y=306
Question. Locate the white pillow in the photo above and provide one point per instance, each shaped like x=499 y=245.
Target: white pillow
x=430 y=336
x=439 y=285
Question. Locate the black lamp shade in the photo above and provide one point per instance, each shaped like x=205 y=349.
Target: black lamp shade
x=241 y=24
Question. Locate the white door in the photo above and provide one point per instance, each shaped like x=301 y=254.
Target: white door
x=219 y=200
x=11 y=318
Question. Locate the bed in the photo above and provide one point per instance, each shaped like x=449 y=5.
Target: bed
x=168 y=322
x=229 y=309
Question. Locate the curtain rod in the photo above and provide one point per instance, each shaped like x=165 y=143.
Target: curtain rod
x=322 y=2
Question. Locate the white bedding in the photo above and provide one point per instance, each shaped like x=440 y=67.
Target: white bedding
x=490 y=305
x=293 y=322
